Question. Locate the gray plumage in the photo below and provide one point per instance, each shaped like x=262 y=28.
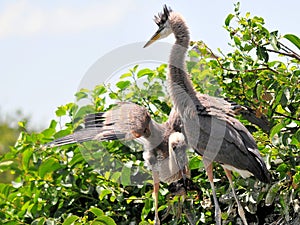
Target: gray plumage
x=209 y=128
x=164 y=144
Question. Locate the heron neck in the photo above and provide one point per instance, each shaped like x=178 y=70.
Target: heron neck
x=156 y=137
x=179 y=82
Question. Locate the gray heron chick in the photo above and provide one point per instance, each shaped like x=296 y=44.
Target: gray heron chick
x=164 y=144
x=211 y=131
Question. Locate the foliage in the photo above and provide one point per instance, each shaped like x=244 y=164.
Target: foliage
x=9 y=133
x=69 y=185
x=262 y=73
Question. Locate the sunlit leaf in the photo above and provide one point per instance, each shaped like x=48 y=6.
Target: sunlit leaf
x=104 y=193
x=195 y=163
x=70 y=220
x=48 y=165
x=80 y=95
x=125 y=75
x=61 y=111
x=4 y=165
x=26 y=158
x=97 y=212
x=276 y=129
x=145 y=72
x=103 y=220
x=228 y=19
x=293 y=39
x=123 y=84
x=100 y=90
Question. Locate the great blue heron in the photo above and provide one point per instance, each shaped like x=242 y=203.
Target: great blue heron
x=215 y=135
x=164 y=144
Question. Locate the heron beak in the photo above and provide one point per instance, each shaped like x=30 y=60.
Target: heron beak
x=154 y=38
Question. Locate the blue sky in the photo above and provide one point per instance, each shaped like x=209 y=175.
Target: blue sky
x=46 y=47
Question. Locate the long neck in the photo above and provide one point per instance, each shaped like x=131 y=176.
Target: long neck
x=157 y=134
x=180 y=85
x=152 y=143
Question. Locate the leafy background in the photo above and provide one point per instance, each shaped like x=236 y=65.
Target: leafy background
x=68 y=185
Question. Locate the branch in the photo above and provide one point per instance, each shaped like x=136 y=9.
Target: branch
x=292 y=55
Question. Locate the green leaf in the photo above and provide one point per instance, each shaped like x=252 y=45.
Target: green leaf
x=77 y=158
x=125 y=75
x=97 y=212
x=123 y=84
x=272 y=193
x=296 y=178
x=237 y=40
x=276 y=129
x=62 y=133
x=80 y=95
x=259 y=89
x=49 y=132
x=115 y=176
x=283 y=100
x=294 y=39
x=5 y=165
x=262 y=53
x=39 y=221
x=195 y=163
x=282 y=168
x=84 y=110
x=53 y=124
x=113 y=95
x=12 y=223
x=22 y=124
x=49 y=165
x=228 y=19
x=144 y=72
x=273 y=41
x=103 y=193
x=125 y=178
x=70 y=220
x=103 y=220
x=26 y=159
x=61 y=111
x=99 y=90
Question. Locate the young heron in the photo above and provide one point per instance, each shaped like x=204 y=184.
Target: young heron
x=164 y=144
x=211 y=131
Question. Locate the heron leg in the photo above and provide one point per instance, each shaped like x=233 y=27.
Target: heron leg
x=155 y=175
x=209 y=171
x=240 y=208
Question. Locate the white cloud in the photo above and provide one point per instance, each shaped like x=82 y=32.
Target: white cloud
x=23 y=18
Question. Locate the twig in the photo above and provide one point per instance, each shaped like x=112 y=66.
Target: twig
x=293 y=55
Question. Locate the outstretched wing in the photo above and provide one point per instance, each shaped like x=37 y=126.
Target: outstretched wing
x=125 y=121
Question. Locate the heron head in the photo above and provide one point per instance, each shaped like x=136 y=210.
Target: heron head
x=176 y=141
x=164 y=28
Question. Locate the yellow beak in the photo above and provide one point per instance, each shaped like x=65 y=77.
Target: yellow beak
x=154 y=38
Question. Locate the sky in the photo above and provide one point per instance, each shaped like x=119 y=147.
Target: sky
x=47 y=47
